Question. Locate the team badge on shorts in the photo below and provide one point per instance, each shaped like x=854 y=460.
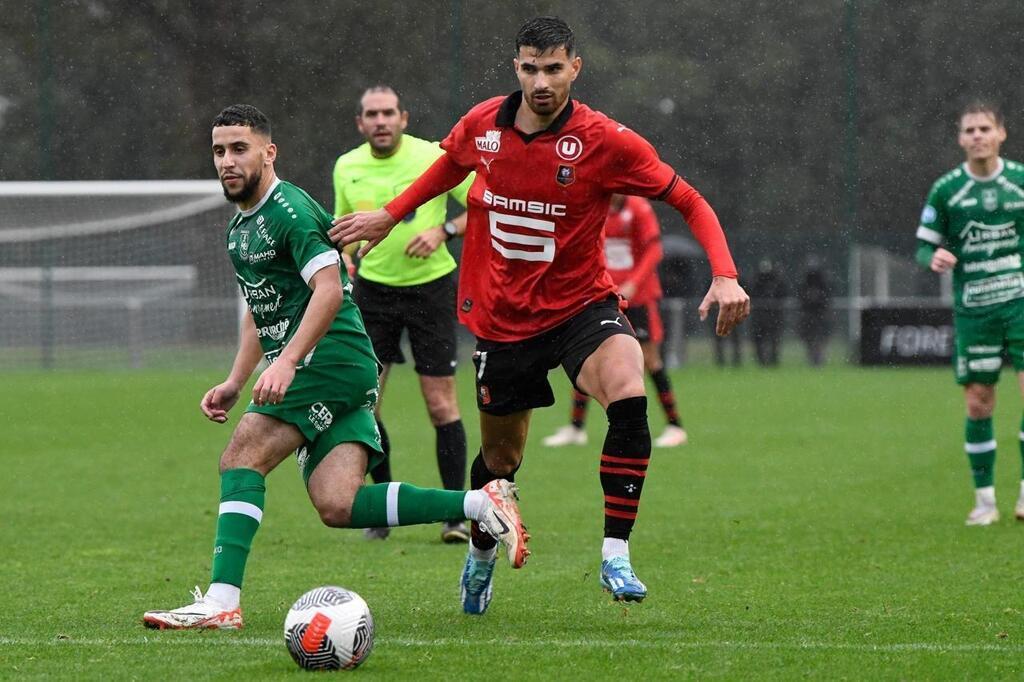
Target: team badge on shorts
x=485 y=396
x=566 y=175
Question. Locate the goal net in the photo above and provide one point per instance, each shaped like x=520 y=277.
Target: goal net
x=115 y=274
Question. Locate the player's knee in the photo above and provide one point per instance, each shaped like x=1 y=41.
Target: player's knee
x=442 y=411
x=335 y=513
x=502 y=458
x=981 y=400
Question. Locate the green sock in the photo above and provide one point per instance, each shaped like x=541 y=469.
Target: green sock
x=242 y=493
x=981 y=450
x=401 y=504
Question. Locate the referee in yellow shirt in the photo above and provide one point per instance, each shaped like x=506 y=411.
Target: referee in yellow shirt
x=406 y=282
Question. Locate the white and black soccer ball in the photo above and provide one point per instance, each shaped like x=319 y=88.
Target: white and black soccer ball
x=329 y=628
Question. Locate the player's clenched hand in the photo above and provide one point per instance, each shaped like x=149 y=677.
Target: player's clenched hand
x=425 y=243
x=943 y=260
x=733 y=304
x=218 y=400
x=273 y=383
x=368 y=226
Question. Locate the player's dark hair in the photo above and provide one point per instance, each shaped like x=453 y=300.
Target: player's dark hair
x=546 y=33
x=380 y=87
x=980 y=106
x=243 y=115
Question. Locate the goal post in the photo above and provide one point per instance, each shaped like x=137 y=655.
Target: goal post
x=114 y=273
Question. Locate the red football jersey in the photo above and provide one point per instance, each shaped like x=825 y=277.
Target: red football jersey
x=632 y=248
x=534 y=254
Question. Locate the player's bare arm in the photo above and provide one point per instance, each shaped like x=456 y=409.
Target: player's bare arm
x=427 y=242
x=272 y=385
x=219 y=400
x=733 y=304
x=943 y=260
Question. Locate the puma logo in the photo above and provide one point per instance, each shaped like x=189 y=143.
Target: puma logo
x=615 y=321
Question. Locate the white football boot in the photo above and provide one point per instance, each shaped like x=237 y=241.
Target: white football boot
x=984 y=512
x=501 y=520
x=567 y=435
x=672 y=436
x=204 y=613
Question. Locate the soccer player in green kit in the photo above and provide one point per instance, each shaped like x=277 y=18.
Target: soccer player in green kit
x=316 y=397
x=407 y=282
x=971 y=225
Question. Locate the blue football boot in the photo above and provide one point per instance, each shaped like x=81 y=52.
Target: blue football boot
x=476 y=584
x=617 y=577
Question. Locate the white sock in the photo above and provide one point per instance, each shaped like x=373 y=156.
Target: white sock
x=226 y=595
x=985 y=496
x=474 y=504
x=613 y=547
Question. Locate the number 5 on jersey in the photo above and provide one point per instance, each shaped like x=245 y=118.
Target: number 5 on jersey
x=501 y=240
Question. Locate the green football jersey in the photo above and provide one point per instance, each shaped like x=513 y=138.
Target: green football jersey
x=275 y=248
x=979 y=220
x=362 y=182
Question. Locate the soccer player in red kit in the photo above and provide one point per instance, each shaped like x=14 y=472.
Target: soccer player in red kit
x=533 y=286
x=632 y=251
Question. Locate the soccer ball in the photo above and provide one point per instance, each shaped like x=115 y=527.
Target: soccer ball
x=329 y=628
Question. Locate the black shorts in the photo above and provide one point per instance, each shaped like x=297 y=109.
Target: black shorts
x=426 y=310
x=646 y=321
x=513 y=376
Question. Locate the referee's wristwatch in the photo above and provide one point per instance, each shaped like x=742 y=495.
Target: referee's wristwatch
x=450 y=231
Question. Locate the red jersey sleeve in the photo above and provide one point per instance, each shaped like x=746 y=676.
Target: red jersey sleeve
x=459 y=144
x=633 y=164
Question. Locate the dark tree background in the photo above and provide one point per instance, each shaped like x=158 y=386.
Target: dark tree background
x=808 y=125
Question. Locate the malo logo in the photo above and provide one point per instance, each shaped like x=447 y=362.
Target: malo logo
x=490 y=142
x=569 y=148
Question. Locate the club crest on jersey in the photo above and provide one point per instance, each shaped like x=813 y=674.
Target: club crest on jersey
x=990 y=199
x=490 y=142
x=568 y=148
x=243 y=243
x=566 y=175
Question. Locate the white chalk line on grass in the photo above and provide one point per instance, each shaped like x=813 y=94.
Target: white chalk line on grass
x=215 y=640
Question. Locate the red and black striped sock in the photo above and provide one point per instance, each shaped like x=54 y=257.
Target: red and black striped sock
x=579 y=409
x=479 y=476
x=666 y=396
x=624 y=460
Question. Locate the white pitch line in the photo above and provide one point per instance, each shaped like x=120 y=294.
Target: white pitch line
x=211 y=639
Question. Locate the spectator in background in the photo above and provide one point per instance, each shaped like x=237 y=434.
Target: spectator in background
x=766 y=317
x=815 y=311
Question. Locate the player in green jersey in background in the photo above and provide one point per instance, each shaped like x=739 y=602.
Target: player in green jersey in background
x=406 y=283
x=971 y=225
x=316 y=396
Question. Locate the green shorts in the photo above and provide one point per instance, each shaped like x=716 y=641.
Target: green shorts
x=331 y=402
x=981 y=341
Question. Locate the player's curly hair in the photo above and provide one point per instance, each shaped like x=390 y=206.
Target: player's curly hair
x=546 y=33
x=243 y=115
x=981 y=106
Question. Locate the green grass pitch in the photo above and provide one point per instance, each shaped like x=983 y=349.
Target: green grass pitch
x=813 y=528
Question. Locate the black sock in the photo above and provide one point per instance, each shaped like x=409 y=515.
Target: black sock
x=578 y=416
x=624 y=460
x=666 y=396
x=479 y=476
x=451 y=454
x=382 y=472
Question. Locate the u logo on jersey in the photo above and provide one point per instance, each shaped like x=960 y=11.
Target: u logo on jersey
x=568 y=148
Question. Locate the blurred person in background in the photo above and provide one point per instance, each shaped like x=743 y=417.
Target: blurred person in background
x=632 y=251
x=971 y=226
x=407 y=282
x=768 y=315
x=815 y=297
